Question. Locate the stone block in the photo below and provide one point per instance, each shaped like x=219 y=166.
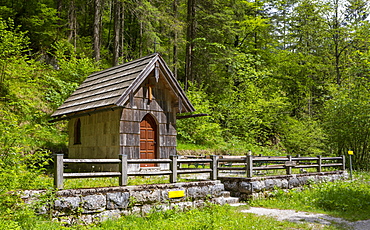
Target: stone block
x=67 y=204
x=231 y=185
x=269 y=184
x=303 y=180
x=107 y=215
x=94 y=203
x=245 y=187
x=284 y=183
x=293 y=182
x=146 y=209
x=257 y=186
x=216 y=190
x=146 y=196
x=119 y=200
x=198 y=192
x=219 y=200
x=135 y=210
x=183 y=206
x=278 y=183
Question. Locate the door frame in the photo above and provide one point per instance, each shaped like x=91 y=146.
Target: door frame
x=154 y=122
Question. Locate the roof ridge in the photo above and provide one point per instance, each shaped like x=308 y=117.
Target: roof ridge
x=123 y=64
x=112 y=86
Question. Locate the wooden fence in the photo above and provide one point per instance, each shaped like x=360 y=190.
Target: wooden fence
x=253 y=164
x=212 y=165
x=174 y=168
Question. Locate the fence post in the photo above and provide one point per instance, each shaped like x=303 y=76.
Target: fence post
x=123 y=170
x=343 y=162
x=173 y=168
x=214 y=165
x=58 y=171
x=319 y=162
x=289 y=166
x=249 y=166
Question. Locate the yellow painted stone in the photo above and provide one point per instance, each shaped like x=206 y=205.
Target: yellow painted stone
x=176 y=194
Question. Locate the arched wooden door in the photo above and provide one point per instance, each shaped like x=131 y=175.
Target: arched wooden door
x=148 y=139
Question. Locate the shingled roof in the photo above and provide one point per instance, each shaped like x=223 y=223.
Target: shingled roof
x=111 y=87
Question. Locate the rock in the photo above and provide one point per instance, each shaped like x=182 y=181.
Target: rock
x=67 y=203
x=118 y=200
x=94 y=203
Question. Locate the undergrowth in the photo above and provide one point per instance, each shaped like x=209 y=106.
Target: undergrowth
x=346 y=199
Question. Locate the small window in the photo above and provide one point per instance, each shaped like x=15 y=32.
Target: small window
x=77 y=132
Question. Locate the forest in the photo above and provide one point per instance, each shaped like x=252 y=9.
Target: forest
x=275 y=76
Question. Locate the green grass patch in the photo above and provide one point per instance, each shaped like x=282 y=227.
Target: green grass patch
x=346 y=199
x=210 y=217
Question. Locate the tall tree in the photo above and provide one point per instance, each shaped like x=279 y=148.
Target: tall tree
x=338 y=37
x=72 y=21
x=190 y=37
x=97 y=29
x=117 y=31
x=175 y=39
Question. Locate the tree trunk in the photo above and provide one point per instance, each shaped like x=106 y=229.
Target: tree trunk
x=336 y=43
x=190 y=36
x=123 y=32
x=97 y=29
x=175 y=4
x=141 y=39
x=72 y=18
x=59 y=10
x=117 y=31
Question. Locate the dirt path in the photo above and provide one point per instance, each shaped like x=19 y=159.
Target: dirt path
x=317 y=218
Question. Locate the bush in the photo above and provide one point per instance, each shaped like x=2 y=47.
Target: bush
x=302 y=137
x=199 y=130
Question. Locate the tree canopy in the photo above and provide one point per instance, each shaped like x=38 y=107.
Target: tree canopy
x=290 y=76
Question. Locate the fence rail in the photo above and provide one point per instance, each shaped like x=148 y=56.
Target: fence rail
x=174 y=165
x=244 y=164
x=250 y=164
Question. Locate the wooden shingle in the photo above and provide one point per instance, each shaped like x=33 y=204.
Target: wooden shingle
x=112 y=87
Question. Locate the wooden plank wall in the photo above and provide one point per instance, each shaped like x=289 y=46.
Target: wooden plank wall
x=99 y=139
x=160 y=108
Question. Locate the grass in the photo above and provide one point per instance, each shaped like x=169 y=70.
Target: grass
x=346 y=199
x=210 y=217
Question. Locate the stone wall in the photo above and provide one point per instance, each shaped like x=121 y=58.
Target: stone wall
x=85 y=206
x=97 y=204
x=245 y=187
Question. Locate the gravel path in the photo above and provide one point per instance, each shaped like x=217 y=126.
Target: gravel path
x=297 y=216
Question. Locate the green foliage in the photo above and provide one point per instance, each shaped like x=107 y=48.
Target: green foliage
x=199 y=130
x=347 y=123
x=39 y=18
x=71 y=71
x=12 y=40
x=346 y=199
x=303 y=136
x=72 y=67
x=251 y=104
x=12 y=43
x=19 y=172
